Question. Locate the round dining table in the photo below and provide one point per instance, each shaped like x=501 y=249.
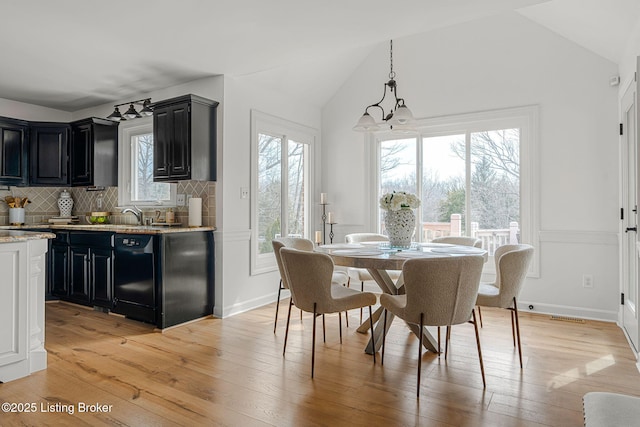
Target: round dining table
x=378 y=258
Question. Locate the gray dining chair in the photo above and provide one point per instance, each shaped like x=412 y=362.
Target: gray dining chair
x=439 y=292
x=338 y=277
x=361 y=274
x=459 y=240
x=512 y=264
x=308 y=275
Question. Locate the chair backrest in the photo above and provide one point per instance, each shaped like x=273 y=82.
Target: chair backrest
x=443 y=289
x=309 y=278
x=459 y=240
x=512 y=263
x=289 y=242
x=365 y=237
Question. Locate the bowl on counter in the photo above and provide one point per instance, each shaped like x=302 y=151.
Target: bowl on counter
x=98 y=217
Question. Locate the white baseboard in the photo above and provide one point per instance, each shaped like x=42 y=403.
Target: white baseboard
x=569 y=311
x=245 y=306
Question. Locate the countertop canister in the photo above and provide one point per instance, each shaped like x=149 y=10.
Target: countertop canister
x=195 y=212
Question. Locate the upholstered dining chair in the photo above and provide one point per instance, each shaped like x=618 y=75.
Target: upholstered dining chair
x=308 y=275
x=338 y=277
x=361 y=274
x=512 y=263
x=439 y=292
x=459 y=240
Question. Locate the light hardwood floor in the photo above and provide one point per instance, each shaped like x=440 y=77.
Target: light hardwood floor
x=232 y=372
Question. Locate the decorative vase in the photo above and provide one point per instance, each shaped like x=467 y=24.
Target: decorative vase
x=65 y=204
x=400 y=226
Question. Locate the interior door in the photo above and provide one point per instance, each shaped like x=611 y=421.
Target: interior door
x=629 y=215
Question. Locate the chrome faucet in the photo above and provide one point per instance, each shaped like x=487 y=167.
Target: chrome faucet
x=136 y=212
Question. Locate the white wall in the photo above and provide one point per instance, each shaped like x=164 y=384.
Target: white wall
x=494 y=63
x=241 y=290
x=20 y=110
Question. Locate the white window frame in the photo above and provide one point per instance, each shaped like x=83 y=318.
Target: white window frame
x=524 y=118
x=262 y=123
x=126 y=131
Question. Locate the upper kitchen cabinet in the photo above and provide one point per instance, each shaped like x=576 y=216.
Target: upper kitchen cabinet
x=14 y=136
x=184 y=139
x=94 y=152
x=82 y=153
x=49 y=156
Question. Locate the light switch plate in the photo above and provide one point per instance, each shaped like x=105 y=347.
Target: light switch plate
x=244 y=192
x=180 y=200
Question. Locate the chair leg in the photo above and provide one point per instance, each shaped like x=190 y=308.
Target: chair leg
x=313 y=341
x=513 y=326
x=420 y=352
x=515 y=311
x=373 y=339
x=475 y=326
x=439 y=341
x=340 y=325
x=275 y=322
x=346 y=317
x=361 y=290
x=384 y=335
x=324 y=330
x=480 y=315
x=447 y=338
x=286 y=334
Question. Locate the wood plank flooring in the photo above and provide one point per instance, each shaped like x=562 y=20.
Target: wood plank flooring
x=231 y=372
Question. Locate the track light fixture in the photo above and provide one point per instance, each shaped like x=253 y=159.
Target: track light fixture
x=399 y=116
x=132 y=113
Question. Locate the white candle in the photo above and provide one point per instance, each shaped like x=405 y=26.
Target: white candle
x=318 y=236
x=323 y=198
x=330 y=217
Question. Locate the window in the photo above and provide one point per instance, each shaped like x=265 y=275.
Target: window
x=473 y=174
x=281 y=183
x=136 y=186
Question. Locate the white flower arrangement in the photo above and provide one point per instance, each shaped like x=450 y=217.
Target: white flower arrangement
x=397 y=200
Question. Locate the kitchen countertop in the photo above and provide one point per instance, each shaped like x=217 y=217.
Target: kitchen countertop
x=12 y=236
x=116 y=228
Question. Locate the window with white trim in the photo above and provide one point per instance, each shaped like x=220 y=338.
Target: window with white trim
x=136 y=186
x=281 y=164
x=472 y=172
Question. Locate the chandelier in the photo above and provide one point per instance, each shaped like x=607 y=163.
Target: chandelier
x=132 y=113
x=399 y=116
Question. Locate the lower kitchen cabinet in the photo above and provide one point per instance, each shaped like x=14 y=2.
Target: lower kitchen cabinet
x=59 y=266
x=91 y=268
x=164 y=279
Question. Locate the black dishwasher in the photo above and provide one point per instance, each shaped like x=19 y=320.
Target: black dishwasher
x=134 y=288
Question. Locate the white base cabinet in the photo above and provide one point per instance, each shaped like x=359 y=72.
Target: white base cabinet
x=22 y=295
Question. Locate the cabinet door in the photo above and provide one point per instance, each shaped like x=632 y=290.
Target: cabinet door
x=13 y=154
x=180 y=147
x=161 y=140
x=59 y=274
x=49 y=155
x=172 y=142
x=79 y=275
x=102 y=277
x=82 y=155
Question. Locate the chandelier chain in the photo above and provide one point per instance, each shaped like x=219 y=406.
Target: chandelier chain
x=392 y=75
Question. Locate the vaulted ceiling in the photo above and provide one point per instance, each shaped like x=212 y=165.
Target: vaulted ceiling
x=74 y=54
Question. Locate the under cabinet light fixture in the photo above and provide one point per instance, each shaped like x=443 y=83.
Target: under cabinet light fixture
x=399 y=116
x=132 y=113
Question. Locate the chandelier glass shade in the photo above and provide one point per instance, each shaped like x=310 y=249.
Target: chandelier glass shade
x=399 y=116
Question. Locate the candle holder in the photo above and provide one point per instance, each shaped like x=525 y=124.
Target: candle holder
x=324 y=221
x=331 y=231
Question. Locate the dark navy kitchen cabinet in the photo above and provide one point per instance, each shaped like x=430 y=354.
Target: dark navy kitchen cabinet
x=14 y=136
